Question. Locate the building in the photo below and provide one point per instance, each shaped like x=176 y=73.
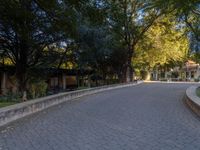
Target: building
x=57 y=79
x=190 y=71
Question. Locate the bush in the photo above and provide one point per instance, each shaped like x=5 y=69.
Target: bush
x=10 y=97
x=38 y=88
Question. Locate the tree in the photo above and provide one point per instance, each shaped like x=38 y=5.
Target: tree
x=28 y=27
x=130 y=19
x=164 y=44
x=187 y=10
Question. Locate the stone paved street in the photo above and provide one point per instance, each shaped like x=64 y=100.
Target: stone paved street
x=149 y=116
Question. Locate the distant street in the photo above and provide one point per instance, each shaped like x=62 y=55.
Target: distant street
x=149 y=116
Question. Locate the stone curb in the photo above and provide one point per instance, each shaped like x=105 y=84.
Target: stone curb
x=14 y=112
x=192 y=100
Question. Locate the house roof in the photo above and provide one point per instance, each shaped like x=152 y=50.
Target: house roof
x=191 y=65
x=190 y=62
x=49 y=71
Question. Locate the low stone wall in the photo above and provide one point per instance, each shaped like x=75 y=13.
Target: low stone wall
x=14 y=112
x=192 y=100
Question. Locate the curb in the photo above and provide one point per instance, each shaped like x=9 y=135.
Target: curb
x=192 y=100
x=14 y=112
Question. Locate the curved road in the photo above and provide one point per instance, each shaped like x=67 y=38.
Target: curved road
x=144 y=117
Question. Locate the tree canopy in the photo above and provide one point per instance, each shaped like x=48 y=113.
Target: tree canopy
x=165 y=43
x=110 y=37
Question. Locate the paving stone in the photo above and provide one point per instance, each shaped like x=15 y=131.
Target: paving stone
x=145 y=117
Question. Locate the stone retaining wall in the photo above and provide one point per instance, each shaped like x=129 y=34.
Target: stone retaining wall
x=192 y=100
x=11 y=113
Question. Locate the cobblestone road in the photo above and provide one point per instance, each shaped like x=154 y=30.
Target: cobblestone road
x=143 y=117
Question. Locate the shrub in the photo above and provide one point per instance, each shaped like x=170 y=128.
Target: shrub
x=10 y=97
x=38 y=88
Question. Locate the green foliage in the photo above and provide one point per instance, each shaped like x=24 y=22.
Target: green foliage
x=27 y=27
x=102 y=35
x=10 y=97
x=165 y=43
x=129 y=20
x=38 y=88
x=187 y=10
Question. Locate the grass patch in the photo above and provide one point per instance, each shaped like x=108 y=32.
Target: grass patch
x=4 y=104
x=198 y=92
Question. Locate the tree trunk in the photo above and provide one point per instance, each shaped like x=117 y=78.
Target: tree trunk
x=129 y=68
x=120 y=76
x=129 y=73
x=3 y=83
x=148 y=76
x=104 y=78
x=21 y=80
x=21 y=72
